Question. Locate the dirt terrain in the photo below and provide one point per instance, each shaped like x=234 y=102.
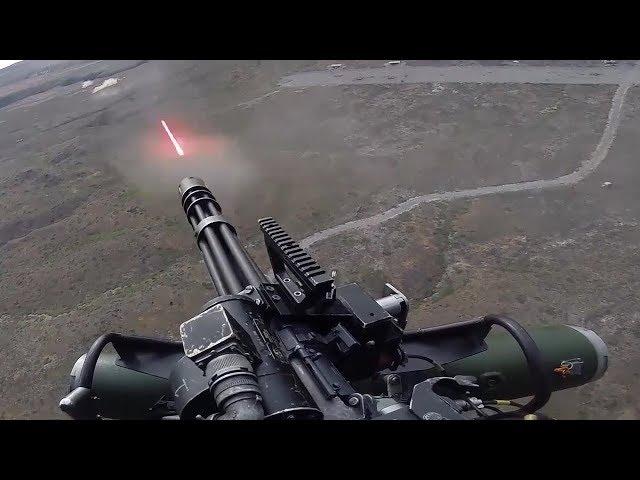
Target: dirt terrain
x=93 y=238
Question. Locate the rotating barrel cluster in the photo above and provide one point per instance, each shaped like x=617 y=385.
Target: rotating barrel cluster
x=230 y=267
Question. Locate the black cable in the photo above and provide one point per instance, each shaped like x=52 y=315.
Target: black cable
x=493 y=409
x=541 y=381
x=85 y=377
x=476 y=408
x=427 y=359
x=501 y=414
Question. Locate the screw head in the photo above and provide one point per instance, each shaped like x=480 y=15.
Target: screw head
x=249 y=289
x=258 y=302
x=297 y=293
x=276 y=297
x=269 y=288
x=286 y=279
x=353 y=401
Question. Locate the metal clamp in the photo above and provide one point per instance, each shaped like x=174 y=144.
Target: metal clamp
x=205 y=222
x=204 y=199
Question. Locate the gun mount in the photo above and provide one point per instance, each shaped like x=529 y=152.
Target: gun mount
x=297 y=346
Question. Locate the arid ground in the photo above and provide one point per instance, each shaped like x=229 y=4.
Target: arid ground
x=93 y=238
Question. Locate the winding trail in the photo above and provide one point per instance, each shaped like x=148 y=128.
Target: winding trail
x=585 y=169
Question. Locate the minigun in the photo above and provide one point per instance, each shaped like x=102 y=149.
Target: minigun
x=294 y=345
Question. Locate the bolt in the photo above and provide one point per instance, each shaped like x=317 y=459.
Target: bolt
x=353 y=401
x=276 y=297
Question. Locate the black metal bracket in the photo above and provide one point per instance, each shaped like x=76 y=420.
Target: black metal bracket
x=215 y=331
x=302 y=278
x=210 y=220
x=197 y=195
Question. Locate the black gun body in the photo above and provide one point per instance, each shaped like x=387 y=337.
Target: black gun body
x=238 y=281
x=294 y=365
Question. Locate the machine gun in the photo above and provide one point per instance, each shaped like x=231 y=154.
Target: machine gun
x=298 y=346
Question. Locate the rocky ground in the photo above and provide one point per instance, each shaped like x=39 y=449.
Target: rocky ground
x=93 y=239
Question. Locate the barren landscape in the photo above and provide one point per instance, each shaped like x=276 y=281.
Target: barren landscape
x=473 y=187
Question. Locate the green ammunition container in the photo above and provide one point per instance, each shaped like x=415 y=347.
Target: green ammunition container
x=124 y=393
x=572 y=356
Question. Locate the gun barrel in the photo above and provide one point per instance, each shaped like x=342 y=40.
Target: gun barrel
x=229 y=265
